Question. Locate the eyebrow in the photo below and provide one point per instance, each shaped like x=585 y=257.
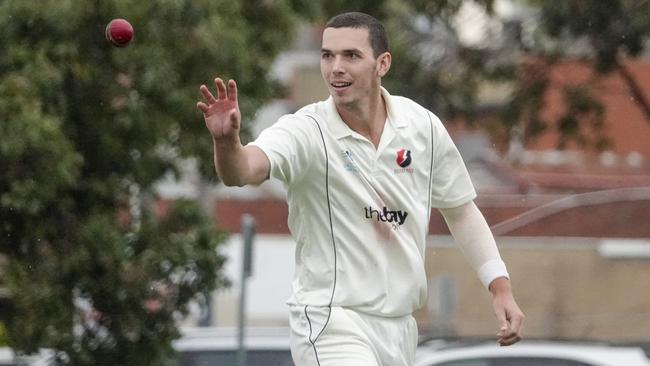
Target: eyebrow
x=350 y=50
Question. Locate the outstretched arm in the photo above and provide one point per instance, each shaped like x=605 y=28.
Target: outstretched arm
x=236 y=165
x=473 y=235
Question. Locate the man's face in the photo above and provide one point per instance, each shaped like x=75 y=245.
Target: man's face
x=348 y=65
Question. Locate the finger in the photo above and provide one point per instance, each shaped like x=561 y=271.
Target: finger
x=202 y=106
x=232 y=90
x=511 y=335
x=221 y=88
x=234 y=117
x=504 y=325
x=207 y=95
x=516 y=323
x=508 y=341
x=504 y=331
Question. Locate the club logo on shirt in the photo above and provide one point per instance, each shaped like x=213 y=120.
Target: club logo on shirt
x=397 y=217
x=403 y=160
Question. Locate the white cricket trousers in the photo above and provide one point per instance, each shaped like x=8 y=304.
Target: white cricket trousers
x=337 y=336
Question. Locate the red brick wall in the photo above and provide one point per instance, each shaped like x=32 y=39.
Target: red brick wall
x=619 y=219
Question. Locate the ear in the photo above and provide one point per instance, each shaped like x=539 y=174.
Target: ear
x=383 y=63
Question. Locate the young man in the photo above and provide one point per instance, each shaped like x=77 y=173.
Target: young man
x=362 y=169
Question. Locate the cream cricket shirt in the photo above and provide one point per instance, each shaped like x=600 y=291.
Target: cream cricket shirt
x=360 y=215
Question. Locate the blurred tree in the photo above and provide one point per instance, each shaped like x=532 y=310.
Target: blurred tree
x=86 y=130
x=598 y=33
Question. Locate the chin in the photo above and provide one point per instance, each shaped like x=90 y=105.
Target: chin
x=345 y=97
x=338 y=98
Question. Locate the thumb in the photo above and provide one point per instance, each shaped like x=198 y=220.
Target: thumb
x=504 y=326
x=503 y=323
x=234 y=118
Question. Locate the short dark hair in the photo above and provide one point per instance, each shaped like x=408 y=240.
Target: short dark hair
x=376 y=30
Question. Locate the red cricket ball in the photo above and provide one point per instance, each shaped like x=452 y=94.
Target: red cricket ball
x=119 y=32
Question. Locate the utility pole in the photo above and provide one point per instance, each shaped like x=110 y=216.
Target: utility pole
x=247 y=235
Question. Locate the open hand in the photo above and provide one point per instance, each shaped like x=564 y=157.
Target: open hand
x=221 y=113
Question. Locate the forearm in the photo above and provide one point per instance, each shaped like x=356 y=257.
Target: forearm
x=473 y=236
x=230 y=162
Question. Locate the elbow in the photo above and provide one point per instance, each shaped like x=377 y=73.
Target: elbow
x=234 y=184
x=241 y=179
x=231 y=182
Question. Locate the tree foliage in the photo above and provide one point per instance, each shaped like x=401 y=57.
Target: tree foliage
x=600 y=34
x=86 y=130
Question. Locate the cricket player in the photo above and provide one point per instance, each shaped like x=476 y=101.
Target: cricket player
x=363 y=170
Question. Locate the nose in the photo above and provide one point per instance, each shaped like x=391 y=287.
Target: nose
x=337 y=66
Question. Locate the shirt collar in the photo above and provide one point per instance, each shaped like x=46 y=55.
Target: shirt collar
x=340 y=129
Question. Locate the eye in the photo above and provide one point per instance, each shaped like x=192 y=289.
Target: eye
x=326 y=56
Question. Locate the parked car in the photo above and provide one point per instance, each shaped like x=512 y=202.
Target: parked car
x=210 y=346
x=6 y=357
x=529 y=353
x=9 y=358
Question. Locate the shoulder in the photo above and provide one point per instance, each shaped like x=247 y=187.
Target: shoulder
x=299 y=127
x=411 y=110
x=301 y=119
x=405 y=104
x=318 y=112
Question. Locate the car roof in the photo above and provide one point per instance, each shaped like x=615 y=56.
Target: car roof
x=6 y=356
x=9 y=357
x=596 y=353
x=227 y=338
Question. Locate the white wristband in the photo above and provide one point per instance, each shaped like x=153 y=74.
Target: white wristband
x=491 y=270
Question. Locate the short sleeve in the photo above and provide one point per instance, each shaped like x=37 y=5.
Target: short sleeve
x=287 y=144
x=451 y=185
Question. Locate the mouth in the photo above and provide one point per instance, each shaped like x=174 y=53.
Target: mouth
x=340 y=85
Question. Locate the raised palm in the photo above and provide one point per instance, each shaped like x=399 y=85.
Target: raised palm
x=221 y=113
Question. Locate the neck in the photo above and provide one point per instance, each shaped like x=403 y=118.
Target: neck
x=366 y=117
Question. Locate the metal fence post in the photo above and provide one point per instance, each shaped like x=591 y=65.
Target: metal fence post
x=247 y=235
